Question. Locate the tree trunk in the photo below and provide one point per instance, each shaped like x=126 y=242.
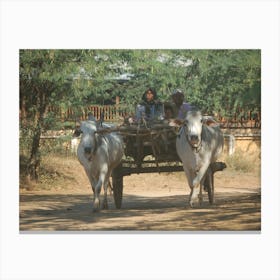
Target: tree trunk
x=35 y=158
x=23 y=114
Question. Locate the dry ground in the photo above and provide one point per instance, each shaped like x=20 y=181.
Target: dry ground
x=151 y=202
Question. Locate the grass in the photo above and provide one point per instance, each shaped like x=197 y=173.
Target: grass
x=60 y=169
x=243 y=162
x=57 y=171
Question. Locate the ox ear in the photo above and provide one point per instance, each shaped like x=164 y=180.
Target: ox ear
x=176 y=122
x=209 y=120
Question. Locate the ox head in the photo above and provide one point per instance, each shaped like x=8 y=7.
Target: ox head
x=193 y=128
x=88 y=143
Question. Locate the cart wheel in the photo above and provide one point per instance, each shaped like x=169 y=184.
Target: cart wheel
x=209 y=185
x=117 y=180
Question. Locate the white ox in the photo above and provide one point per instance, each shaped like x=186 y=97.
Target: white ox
x=198 y=145
x=99 y=154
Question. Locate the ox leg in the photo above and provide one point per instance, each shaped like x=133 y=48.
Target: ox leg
x=97 y=190
x=103 y=181
x=197 y=185
x=200 y=196
x=190 y=177
x=96 y=196
x=105 y=202
x=93 y=182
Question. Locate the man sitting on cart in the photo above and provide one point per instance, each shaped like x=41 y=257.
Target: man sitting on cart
x=150 y=108
x=181 y=108
x=178 y=108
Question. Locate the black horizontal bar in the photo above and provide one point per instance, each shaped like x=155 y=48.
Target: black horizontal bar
x=154 y=169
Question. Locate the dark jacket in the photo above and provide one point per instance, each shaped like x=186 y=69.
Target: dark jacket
x=153 y=109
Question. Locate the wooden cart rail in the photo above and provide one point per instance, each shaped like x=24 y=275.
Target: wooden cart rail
x=136 y=129
x=158 y=143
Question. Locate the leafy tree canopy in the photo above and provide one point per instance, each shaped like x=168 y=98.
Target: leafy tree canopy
x=215 y=80
x=220 y=81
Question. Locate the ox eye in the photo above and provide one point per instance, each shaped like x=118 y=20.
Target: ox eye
x=201 y=120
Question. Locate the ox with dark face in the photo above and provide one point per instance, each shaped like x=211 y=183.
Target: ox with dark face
x=90 y=139
x=193 y=128
x=198 y=145
x=99 y=154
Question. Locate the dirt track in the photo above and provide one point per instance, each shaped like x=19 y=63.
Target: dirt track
x=151 y=202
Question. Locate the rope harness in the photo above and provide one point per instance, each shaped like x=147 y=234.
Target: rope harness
x=195 y=149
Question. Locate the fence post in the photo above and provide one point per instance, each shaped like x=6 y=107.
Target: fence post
x=117 y=107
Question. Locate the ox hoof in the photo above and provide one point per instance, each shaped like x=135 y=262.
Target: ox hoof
x=191 y=204
x=195 y=202
x=96 y=205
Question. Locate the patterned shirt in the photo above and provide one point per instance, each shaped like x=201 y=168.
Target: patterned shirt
x=149 y=111
x=185 y=107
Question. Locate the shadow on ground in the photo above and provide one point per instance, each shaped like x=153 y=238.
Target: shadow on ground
x=72 y=212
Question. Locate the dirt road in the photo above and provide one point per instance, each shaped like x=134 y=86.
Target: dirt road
x=151 y=202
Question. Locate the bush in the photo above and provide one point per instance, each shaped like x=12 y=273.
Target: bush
x=244 y=162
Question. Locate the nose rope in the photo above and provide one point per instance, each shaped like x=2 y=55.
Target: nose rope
x=196 y=149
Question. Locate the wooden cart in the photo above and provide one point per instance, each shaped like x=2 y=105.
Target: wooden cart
x=151 y=148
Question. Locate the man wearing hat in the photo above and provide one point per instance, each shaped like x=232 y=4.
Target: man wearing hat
x=181 y=108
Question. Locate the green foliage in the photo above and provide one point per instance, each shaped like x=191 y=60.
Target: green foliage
x=225 y=80
x=216 y=81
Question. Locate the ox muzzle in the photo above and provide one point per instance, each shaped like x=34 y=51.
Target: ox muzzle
x=88 y=150
x=194 y=140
